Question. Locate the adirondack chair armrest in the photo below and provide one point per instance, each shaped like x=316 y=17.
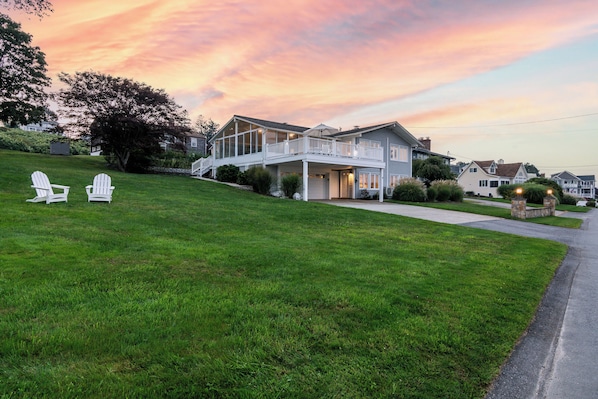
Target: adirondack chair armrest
x=40 y=188
x=65 y=188
x=88 y=189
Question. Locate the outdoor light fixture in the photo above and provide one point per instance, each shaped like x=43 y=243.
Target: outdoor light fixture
x=549 y=192
x=519 y=191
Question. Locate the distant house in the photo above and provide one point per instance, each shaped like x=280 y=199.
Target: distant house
x=484 y=177
x=193 y=142
x=43 y=126
x=577 y=186
x=332 y=163
x=424 y=151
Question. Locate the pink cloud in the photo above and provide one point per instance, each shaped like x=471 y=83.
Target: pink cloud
x=300 y=58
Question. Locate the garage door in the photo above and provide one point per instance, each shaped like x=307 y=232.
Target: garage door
x=318 y=186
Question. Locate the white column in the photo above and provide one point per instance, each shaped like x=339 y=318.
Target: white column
x=381 y=188
x=305 y=179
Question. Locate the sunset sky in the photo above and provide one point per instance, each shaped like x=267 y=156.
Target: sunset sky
x=484 y=79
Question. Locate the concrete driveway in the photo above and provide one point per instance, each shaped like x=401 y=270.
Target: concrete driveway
x=557 y=357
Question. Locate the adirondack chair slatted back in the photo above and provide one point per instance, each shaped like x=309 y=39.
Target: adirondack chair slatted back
x=101 y=189
x=45 y=191
x=102 y=184
x=41 y=183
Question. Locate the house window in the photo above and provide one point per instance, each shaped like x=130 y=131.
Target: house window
x=403 y=153
x=483 y=183
x=395 y=179
x=473 y=170
x=370 y=143
x=503 y=182
x=394 y=152
x=369 y=180
x=193 y=142
x=493 y=183
x=399 y=153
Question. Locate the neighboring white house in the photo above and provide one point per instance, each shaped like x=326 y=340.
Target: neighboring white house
x=332 y=163
x=577 y=186
x=484 y=177
x=43 y=126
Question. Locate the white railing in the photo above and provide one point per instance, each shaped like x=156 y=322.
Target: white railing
x=312 y=145
x=201 y=166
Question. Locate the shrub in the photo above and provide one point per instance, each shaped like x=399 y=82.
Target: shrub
x=364 y=194
x=243 y=179
x=38 y=142
x=534 y=192
x=410 y=189
x=447 y=190
x=175 y=159
x=260 y=179
x=569 y=200
x=290 y=184
x=444 y=193
x=507 y=190
x=227 y=173
x=557 y=190
x=591 y=204
x=432 y=193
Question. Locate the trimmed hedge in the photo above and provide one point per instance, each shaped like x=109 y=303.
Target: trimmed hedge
x=227 y=173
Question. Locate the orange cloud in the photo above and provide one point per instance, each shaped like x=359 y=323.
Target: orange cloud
x=307 y=59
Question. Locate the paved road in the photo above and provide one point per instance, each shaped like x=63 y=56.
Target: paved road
x=558 y=356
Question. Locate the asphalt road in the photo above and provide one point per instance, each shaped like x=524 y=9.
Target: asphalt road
x=557 y=357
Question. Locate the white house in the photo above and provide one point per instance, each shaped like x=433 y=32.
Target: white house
x=484 y=177
x=332 y=163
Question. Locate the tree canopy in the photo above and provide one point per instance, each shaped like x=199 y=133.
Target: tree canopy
x=208 y=128
x=23 y=77
x=36 y=7
x=430 y=169
x=130 y=119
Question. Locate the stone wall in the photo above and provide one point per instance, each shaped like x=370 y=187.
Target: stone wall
x=520 y=210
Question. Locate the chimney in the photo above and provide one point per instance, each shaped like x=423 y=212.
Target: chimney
x=501 y=162
x=426 y=142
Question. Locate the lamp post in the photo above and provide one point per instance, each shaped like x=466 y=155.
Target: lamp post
x=550 y=202
x=518 y=204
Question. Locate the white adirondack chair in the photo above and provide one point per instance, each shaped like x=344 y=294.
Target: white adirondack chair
x=101 y=190
x=44 y=189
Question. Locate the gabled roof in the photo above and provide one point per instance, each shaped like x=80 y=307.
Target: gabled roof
x=502 y=170
x=272 y=125
x=285 y=127
x=509 y=169
x=564 y=176
x=484 y=164
x=394 y=126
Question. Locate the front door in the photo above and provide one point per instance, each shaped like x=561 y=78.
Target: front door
x=346 y=181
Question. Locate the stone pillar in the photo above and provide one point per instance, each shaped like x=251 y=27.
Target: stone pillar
x=550 y=204
x=518 y=205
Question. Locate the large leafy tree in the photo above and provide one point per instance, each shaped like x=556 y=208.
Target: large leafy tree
x=130 y=119
x=37 y=7
x=430 y=169
x=23 y=77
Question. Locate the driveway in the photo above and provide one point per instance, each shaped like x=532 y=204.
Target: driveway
x=557 y=357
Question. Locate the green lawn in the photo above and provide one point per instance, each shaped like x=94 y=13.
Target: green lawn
x=183 y=288
x=505 y=213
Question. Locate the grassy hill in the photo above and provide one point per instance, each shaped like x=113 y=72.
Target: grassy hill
x=185 y=288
